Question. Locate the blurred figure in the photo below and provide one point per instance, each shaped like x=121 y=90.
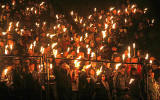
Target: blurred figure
x=63 y=81
x=135 y=89
x=102 y=89
x=86 y=85
x=153 y=88
x=121 y=84
x=92 y=75
x=75 y=82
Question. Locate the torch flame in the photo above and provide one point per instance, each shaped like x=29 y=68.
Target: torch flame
x=81 y=38
x=150 y=61
x=87 y=66
x=78 y=49
x=88 y=50
x=118 y=65
x=106 y=26
x=30 y=46
x=42 y=50
x=98 y=72
x=114 y=26
x=4 y=33
x=123 y=57
x=145 y=10
x=104 y=34
x=147 y=56
x=34 y=43
x=101 y=47
x=92 y=54
x=5 y=71
x=72 y=13
x=89 y=17
x=51 y=66
x=131 y=81
x=53 y=45
x=68 y=49
x=111 y=8
x=64 y=29
x=133 y=6
x=17 y=24
x=86 y=35
x=119 y=11
x=6 y=51
x=11 y=46
x=77 y=63
x=95 y=9
x=134 y=45
x=55 y=52
x=3 y=6
x=42 y=3
x=129 y=50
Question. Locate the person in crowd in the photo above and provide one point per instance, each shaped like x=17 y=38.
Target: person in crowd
x=109 y=76
x=102 y=89
x=154 y=93
x=108 y=70
x=4 y=95
x=63 y=81
x=86 y=86
x=121 y=84
x=92 y=75
x=75 y=82
x=135 y=88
